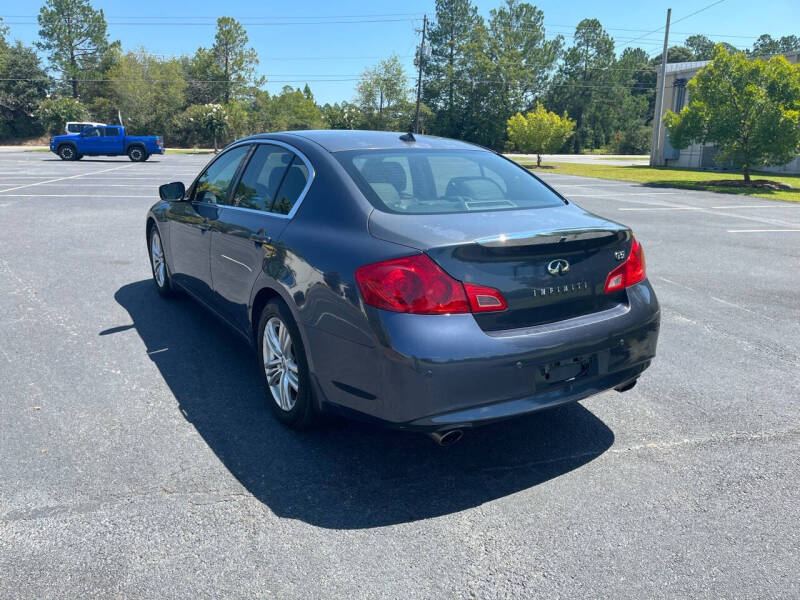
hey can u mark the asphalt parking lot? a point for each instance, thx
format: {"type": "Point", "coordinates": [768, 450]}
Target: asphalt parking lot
{"type": "Point", "coordinates": [137, 458]}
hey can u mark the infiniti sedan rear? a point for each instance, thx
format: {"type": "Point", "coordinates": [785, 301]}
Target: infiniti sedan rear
{"type": "Point", "coordinates": [421, 282]}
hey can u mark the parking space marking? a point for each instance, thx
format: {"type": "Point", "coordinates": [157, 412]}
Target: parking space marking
{"type": "Point", "coordinates": [72, 196]}
{"type": "Point", "coordinates": [776, 205]}
{"type": "Point", "coordinates": [676, 283]}
{"type": "Point", "coordinates": [63, 178]}
{"type": "Point", "coordinates": [665, 208]}
{"type": "Point", "coordinates": [763, 230]}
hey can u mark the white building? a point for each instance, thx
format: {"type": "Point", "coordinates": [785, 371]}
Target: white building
{"type": "Point", "coordinates": [696, 156]}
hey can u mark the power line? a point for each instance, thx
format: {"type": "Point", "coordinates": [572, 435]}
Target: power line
{"type": "Point", "coordinates": [247, 24]}
{"type": "Point", "coordinates": [676, 21]}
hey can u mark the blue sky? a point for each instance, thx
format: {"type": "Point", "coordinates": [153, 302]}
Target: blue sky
{"type": "Point", "coordinates": [308, 50]}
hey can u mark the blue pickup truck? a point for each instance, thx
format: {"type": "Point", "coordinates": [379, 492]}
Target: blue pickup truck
{"type": "Point", "coordinates": [107, 140]}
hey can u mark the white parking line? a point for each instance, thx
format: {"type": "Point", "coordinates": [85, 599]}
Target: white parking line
{"type": "Point", "coordinates": [622, 195]}
{"type": "Point", "coordinates": [763, 230]}
{"type": "Point", "coordinates": [153, 196]}
{"type": "Point", "coordinates": [776, 205]}
{"type": "Point", "coordinates": [667, 208]}
{"type": "Point", "coordinates": [63, 178]}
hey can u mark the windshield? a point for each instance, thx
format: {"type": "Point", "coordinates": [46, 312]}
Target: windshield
{"type": "Point", "coordinates": [415, 181]}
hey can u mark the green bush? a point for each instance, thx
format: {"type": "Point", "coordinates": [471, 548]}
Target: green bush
{"type": "Point", "coordinates": [53, 113]}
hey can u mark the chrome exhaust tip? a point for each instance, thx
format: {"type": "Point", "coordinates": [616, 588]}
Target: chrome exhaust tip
{"type": "Point", "coordinates": [446, 438]}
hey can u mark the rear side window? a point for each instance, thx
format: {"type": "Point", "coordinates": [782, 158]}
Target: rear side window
{"type": "Point", "coordinates": [213, 185]}
{"type": "Point", "coordinates": [444, 181]}
{"type": "Point", "coordinates": [111, 132]}
{"type": "Point", "coordinates": [294, 182]}
{"type": "Point", "coordinates": [262, 178]}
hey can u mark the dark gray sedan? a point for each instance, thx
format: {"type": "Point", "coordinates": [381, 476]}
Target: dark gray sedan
{"type": "Point", "coordinates": [422, 282]}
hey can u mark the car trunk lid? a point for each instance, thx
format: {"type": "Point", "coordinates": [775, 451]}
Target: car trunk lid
{"type": "Point", "coordinates": [550, 263]}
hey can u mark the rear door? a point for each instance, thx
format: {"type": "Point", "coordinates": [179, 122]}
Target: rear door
{"type": "Point", "coordinates": [112, 140]}
{"type": "Point", "coordinates": [245, 240]}
{"type": "Point", "coordinates": [191, 221]}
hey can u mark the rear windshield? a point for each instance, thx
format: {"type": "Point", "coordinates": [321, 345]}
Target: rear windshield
{"type": "Point", "coordinates": [444, 181]}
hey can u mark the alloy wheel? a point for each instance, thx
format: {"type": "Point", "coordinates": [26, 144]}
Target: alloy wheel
{"type": "Point", "coordinates": [157, 258]}
{"type": "Point", "coordinates": [280, 364]}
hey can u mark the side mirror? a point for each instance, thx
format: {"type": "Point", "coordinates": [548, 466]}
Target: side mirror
{"type": "Point", "coordinates": [172, 191]}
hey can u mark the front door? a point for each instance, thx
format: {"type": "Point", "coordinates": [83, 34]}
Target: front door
{"type": "Point", "coordinates": [190, 223]}
{"type": "Point", "coordinates": [92, 141]}
{"type": "Point", "coordinates": [245, 240]}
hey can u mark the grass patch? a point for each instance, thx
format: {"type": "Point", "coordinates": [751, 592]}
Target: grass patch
{"type": "Point", "coordinates": [623, 157]}
{"type": "Point", "coordinates": [189, 151]}
{"type": "Point", "coordinates": [687, 179]}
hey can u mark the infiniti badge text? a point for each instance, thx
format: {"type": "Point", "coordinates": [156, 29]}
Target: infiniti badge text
{"type": "Point", "coordinates": [560, 289]}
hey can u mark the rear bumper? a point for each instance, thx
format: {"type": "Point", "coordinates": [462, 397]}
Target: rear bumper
{"type": "Point", "coordinates": [435, 372]}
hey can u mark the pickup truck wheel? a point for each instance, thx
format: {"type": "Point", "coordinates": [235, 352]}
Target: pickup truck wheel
{"type": "Point", "coordinates": [67, 153]}
{"type": "Point", "coordinates": [137, 154]}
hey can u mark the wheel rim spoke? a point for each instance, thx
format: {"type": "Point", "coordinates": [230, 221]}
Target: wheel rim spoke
{"type": "Point", "coordinates": [280, 366]}
{"type": "Point", "coordinates": [157, 256]}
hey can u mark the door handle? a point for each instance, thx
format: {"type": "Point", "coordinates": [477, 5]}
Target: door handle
{"type": "Point", "coordinates": [260, 239]}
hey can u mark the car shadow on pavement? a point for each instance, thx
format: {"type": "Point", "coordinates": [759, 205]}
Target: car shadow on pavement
{"type": "Point", "coordinates": [343, 474]}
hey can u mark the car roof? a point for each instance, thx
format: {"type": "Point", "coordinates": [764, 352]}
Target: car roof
{"type": "Point", "coordinates": [340, 140]}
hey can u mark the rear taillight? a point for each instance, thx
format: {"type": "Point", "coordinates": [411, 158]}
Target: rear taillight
{"type": "Point", "coordinates": [484, 299]}
{"type": "Point", "coordinates": [416, 284]}
{"type": "Point", "coordinates": [630, 272]}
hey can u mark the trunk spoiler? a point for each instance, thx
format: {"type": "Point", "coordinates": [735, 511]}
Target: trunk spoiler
{"type": "Point", "coordinates": [535, 238]}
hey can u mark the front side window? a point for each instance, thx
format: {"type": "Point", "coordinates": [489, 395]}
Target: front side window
{"type": "Point", "coordinates": [444, 181]}
{"type": "Point", "coordinates": [213, 185]}
{"type": "Point", "coordinates": [93, 132]}
{"type": "Point", "coordinates": [262, 178]}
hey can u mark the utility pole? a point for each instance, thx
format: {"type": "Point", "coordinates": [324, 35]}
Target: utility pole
{"type": "Point", "coordinates": [660, 95]}
{"type": "Point", "coordinates": [421, 59]}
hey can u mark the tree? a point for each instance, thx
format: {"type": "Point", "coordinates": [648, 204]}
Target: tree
{"type": "Point", "coordinates": [342, 116]}
{"type": "Point", "coordinates": [204, 83]}
{"type": "Point", "coordinates": [584, 82]}
{"type": "Point", "coordinates": [539, 132]}
{"type": "Point", "coordinates": [381, 91]}
{"type": "Point", "coordinates": [288, 110]}
{"type": "Point", "coordinates": [149, 92]}
{"type": "Point", "coordinates": [23, 83]}
{"type": "Point", "coordinates": [235, 62]}
{"type": "Point", "coordinates": [675, 54]}
{"type": "Point", "coordinates": [520, 64]}
{"type": "Point", "coordinates": [749, 108]}
{"type": "Point", "coordinates": [457, 38]}
{"type": "Point", "coordinates": [766, 45]}
{"type": "Point", "coordinates": [53, 113]}
{"type": "Point", "coordinates": [74, 35]}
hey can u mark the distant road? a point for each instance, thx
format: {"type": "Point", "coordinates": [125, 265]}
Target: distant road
{"type": "Point", "coordinates": [589, 159]}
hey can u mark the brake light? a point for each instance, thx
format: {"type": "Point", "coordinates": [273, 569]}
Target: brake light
{"type": "Point", "coordinates": [631, 272]}
{"type": "Point", "coordinates": [416, 284]}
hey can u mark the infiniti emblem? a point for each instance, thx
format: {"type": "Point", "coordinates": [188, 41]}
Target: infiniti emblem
{"type": "Point", "coordinates": [558, 266]}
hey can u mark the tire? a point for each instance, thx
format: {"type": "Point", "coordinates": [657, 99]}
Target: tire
{"type": "Point", "coordinates": [292, 407]}
{"type": "Point", "coordinates": [67, 152]}
{"type": "Point", "coordinates": [137, 154]}
{"type": "Point", "coordinates": [158, 264]}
